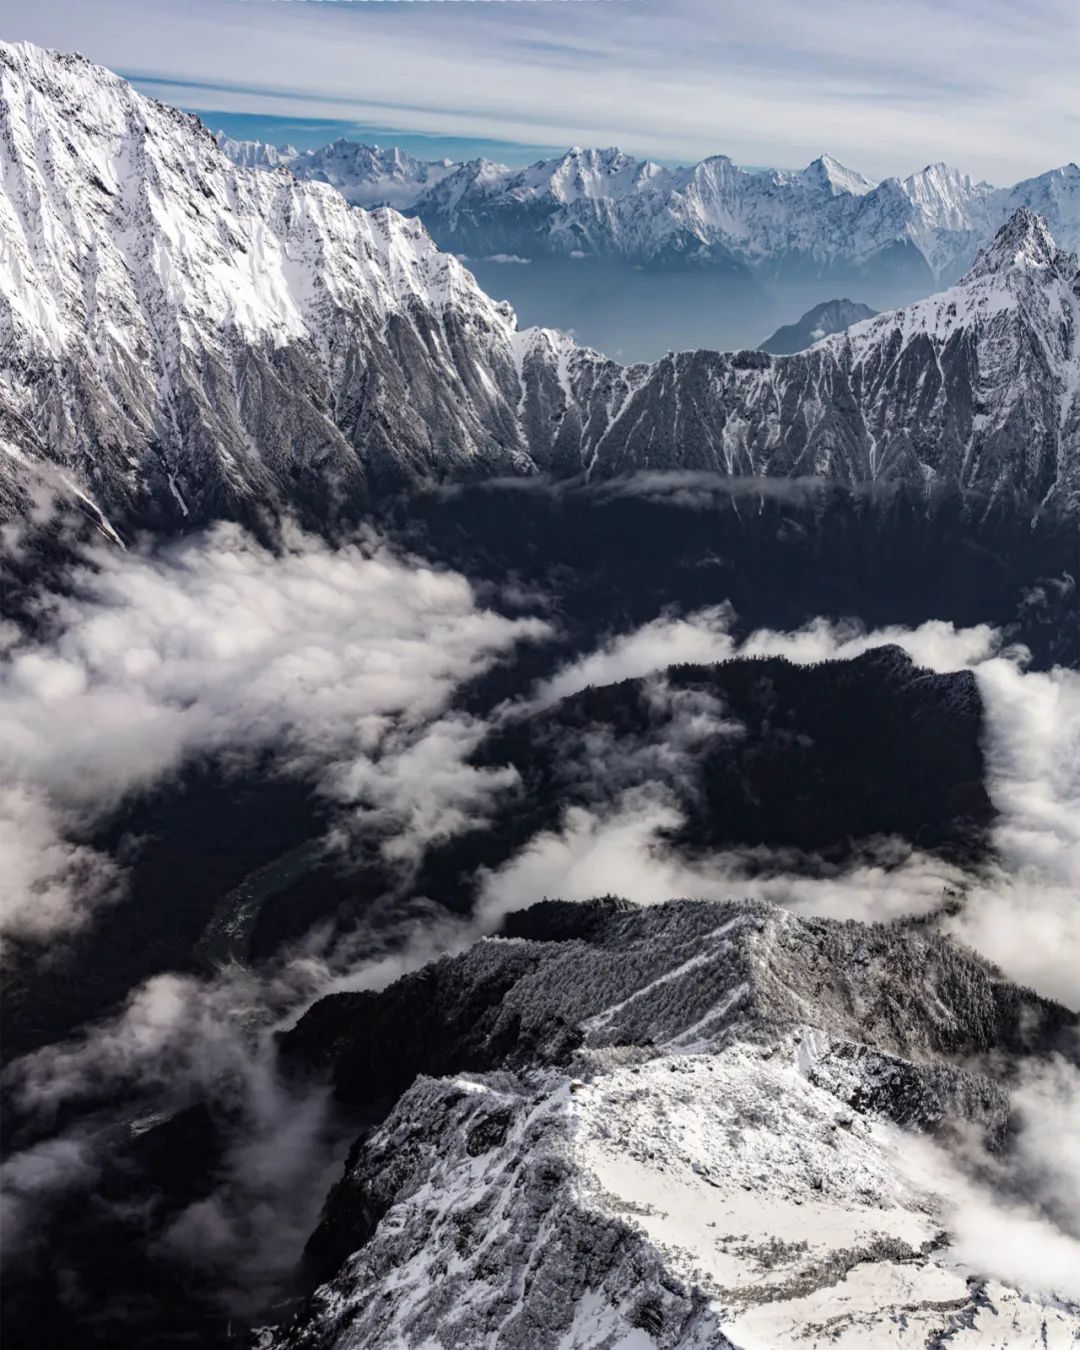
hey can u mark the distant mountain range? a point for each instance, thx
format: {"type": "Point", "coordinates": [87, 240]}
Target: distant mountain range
{"type": "Point", "coordinates": [182, 339]}
{"type": "Point", "coordinates": [366, 175]}
{"type": "Point", "coordinates": [823, 220]}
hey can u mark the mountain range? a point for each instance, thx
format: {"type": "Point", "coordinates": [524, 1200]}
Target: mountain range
{"type": "Point", "coordinates": [183, 339]}
{"type": "Point", "coordinates": [760, 666]}
{"type": "Point", "coordinates": [822, 220]}
{"type": "Point", "coordinates": [365, 175]}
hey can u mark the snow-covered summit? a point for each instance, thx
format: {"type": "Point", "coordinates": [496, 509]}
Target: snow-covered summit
{"type": "Point", "coordinates": [368, 175]}
{"type": "Point", "coordinates": [827, 172]}
{"type": "Point", "coordinates": [690, 1125]}
{"type": "Point", "coordinates": [1024, 241]}
{"type": "Point", "coordinates": [255, 154]}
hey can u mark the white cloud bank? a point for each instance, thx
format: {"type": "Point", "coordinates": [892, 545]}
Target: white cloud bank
{"type": "Point", "coordinates": [342, 660]}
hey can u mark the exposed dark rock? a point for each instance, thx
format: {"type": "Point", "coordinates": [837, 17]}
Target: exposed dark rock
{"type": "Point", "coordinates": [831, 316]}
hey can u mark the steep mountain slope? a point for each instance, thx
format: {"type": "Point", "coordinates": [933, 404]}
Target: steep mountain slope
{"type": "Point", "coordinates": [178, 335]}
{"type": "Point", "coordinates": [181, 339]}
{"type": "Point", "coordinates": [690, 1125]}
{"type": "Point", "coordinates": [831, 316]}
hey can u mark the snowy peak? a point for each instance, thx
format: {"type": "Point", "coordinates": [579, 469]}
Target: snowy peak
{"type": "Point", "coordinates": [944, 194]}
{"type": "Point", "coordinates": [695, 1125]}
{"type": "Point", "coordinates": [365, 175]}
{"type": "Point", "coordinates": [585, 175]}
{"type": "Point", "coordinates": [255, 154]}
{"type": "Point", "coordinates": [832, 176]}
{"type": "Point", "coordinates": [1024, 242]}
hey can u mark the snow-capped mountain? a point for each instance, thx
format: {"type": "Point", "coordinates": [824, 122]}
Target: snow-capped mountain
{"type": "Point", "coordinates": [180, 335]}
{"type": "Point", "coordinates": [182, 339]}
{"type": "Point", "coordinates": [256, 154]}
{"type": "Point", "coordinates": [604, 203]}
{"type": "Point", "coordinates": [365, 175]}
{"type": "Point", "coordinates": [696, 1124]}
{"type": "Point", "coordinates": [369, 176]}
{"type": "Point", "coordinates": [831, 316]}
{"type": "Point", "coordinates": [825, 218]}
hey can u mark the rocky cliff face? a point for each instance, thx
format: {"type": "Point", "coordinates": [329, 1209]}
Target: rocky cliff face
{"type": "Point", "coordinates": [182, 339]}
{"type": "Point", "coordinates": [717, 1149]}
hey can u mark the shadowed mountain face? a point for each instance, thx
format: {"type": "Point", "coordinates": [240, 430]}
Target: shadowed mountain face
{"type": "Point", "coordinates": [831, 316]}
{"type": "Point", "coordinates": [821, 760]}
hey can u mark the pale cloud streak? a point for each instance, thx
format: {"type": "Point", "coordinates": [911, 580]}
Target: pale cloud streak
{"type": "Point", "coordinates": [887, 88]}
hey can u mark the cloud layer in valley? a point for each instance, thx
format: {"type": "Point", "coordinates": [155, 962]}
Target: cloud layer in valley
{"type": "Point", "coordinates": [347, 660]}
{"type": "Point", "coordinates": [1020, 911]}
{"type": "Point", "coordinates": [342, 661]}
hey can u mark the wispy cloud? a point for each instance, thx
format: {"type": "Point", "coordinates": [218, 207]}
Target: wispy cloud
{"type": "Point", "coordinates": [887, 87]}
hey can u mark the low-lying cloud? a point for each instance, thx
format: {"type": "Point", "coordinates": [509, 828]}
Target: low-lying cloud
{"type": "Point", "coordinates": [1020, 911]}
{"type": "Point", "coordinates": [342, 660]}
{"type": "Point", "coordinates": [625, 850]}
{"type": "Point", "coordinates": [1014, 1215]}
{"type": "Point", "coordinates": [345, 661]}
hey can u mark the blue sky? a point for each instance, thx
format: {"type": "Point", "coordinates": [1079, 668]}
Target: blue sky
{"type": "Point", "coordinates": [884, 85]}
